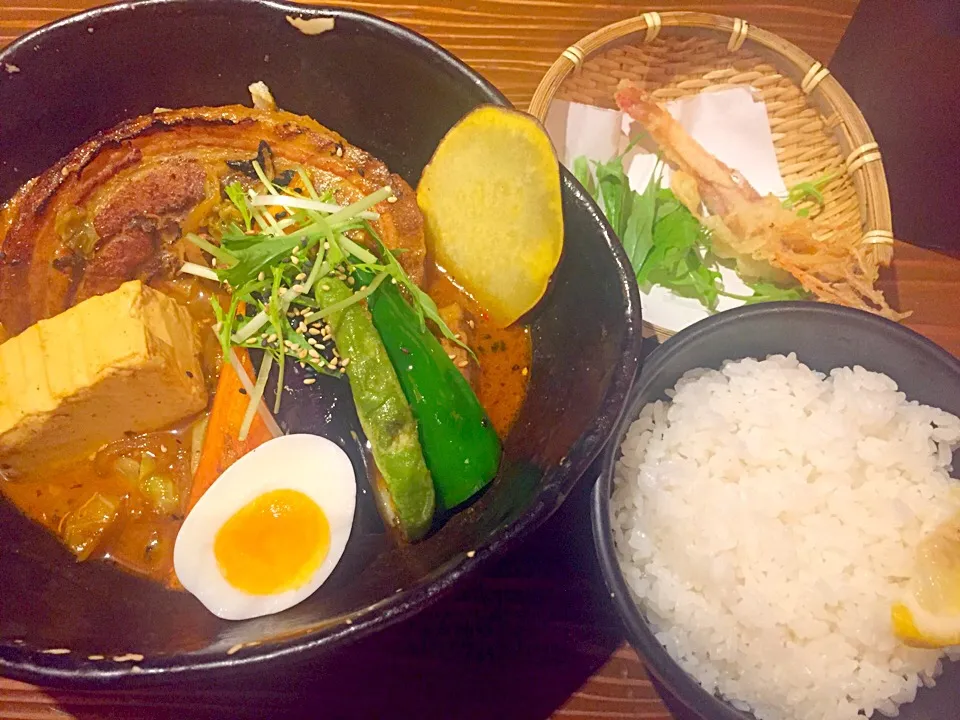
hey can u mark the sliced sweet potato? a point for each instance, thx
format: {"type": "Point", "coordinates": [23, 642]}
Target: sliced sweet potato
{"type": "Point", "coordinates": [490, 197]}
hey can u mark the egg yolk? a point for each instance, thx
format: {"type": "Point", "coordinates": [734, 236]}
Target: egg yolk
{"type": "Point", "coordinates": [273, 544]}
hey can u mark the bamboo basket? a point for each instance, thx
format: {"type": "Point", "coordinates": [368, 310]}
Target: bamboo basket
{"type": "Point", "coordinates": [817, 128]}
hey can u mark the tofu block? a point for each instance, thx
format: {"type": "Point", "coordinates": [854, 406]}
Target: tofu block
{"type": "Point", "coordinates": [124, 362]}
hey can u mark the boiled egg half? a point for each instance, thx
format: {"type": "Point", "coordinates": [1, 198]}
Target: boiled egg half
{"type": "Point", "coordinates": [270, 529]}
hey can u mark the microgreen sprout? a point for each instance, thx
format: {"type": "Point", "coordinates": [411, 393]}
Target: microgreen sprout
{"type": "Point", "coordinates": [291, 239]}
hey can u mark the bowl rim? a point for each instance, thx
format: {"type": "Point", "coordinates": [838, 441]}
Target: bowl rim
{"type": "Point", "coordinates": [61, 671]}
{"type": "Point", "coordinates": [639, 634]}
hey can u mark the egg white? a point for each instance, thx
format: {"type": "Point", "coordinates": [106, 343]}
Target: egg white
{"type": "Point", "coordinates": [311, 464]}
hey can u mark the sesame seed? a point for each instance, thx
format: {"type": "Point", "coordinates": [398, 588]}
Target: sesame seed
{"type": "Point", "coordinates": [299, 289]}
{"type": "Point", "coordinates": [272, 337]}
{"type": "Point", "coordinates": [294, 259]}
{"type": "Point", "coordinates": [471, 553]}
{"type": "Point", "coordinates": [262, 276]}
{"type": "Point", "coordinates": [524, 372]}
{"type": "Point", "coordinates": [311, 341]}
{"type": "Point", "coordinates": [136, 657]}
{"type": "Point", "coordinates": [351, 280]}
{"type": "Point", "coordinates": [326, 245]}
{"type": "Point", "coordinates": [301, 276]}
{"type": "Point", "coordinates": [217, 327]}
{"type": "Point", "coordinates": [314, 354]}
{"type": "Point", "coordinates": [313, 331]}
{"type": "Point", "coordinates": [463, 363]}
{"type": "Point", "coordinates": [471, 323]}
{"type": "Point", "coordinates": [333, 362]}
{"type": "Point", "coordinates": [457, 335]}
{"type": "Point", "coordinates": [57, 651]}
{"type": "Point", "coordinates": [325, 287]}
{"type": "Point", "coordinates": [302, 354]}
{"type": "Point", "coordinates": [235, 648]}
{"type": "Point", "coordinates": [252, 341]}
{"type": "Point", "coordinates": [392, 199]}
{"type": "Point", "coordinates": [163, 448]}
{"type": "Point", "coordinates": [451, 356]}
{"type": "Point", "coordinates": [339, 152]}
{"type": "Point", "coordinates": [94, 657]}
{"type": "Point", "coordinates": [309, 381]}
{"type": "Point", "coordinates": [344, 362]}
{"type": "Point", "coordinates": [302, 327]}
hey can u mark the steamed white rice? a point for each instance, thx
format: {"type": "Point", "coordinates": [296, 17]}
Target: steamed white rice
{"type": "Point", "coordinates": [766, 519]}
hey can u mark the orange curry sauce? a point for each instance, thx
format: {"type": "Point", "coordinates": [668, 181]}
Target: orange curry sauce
{"type": "Point", "coordinates": [141, 539]}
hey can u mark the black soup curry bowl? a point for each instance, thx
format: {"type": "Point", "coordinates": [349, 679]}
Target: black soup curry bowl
{"type": "Point", "coordinates": [394, 94]}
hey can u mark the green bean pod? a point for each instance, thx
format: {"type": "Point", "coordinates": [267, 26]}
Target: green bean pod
{"type": "Point", "coordinates": [458, 440]}
{"type": "Point", "coordinates": [406, 495]}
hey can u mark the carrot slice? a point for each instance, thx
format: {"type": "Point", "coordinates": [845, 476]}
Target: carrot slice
{"type": "Point", "coordinates": [222, 446]}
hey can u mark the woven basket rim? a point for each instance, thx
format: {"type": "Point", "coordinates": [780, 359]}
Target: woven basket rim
{"type": "Point", "coordinates": [863, 161]}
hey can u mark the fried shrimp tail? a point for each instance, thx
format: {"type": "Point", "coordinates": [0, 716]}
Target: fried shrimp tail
{"type": "Point", "coordinates": [767, 240]}
{"type": "Point", "coordinates": [721, 188]}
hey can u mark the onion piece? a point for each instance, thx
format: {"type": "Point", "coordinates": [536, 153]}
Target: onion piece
{"type": "Point", "coordinates": [265, 414]}
{"type": "Point", "coordinates": [198, 433]}
{"type": "Point", "coordinates": [199, 271]}
{"type": "Point", "coordinates": [351, 211]}
{"type": "Point", "coordinates": [289, 201]}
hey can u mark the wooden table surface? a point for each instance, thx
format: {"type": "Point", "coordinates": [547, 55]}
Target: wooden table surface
{"type": "Point", "coordinates": [535, 636]}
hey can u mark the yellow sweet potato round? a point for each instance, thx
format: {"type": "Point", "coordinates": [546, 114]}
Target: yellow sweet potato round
{"type": "Point", "coordinates": [491, 200]}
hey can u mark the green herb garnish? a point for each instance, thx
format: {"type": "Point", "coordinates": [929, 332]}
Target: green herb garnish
{"type": "Point", "coordinates": [809, 190]}
{"type": "Point", "coordinates": [768, 292]}
{"type": "Point", "coordinates": [664, 241]}
{"type": "Point", "coordinates": [272, 265]}
{"type": "Point", "coordinates": [581, 171]}
{"type": "Point", "coordinates": [423, 304]}
{"type": "Point", "coordinates": [239, 199]}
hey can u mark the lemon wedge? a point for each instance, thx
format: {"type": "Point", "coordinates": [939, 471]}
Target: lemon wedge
{"type": "Point", "coordinates": [490, 197]}
{"type": "Point", "coordinates": [929, 614]}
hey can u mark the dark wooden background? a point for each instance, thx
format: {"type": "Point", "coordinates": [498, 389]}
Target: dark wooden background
{"type": "Point", "coordinates": [900, 61]}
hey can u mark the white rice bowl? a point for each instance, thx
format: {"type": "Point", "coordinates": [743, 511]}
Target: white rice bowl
{"type": "Point", "coordinates": [765, 521]}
